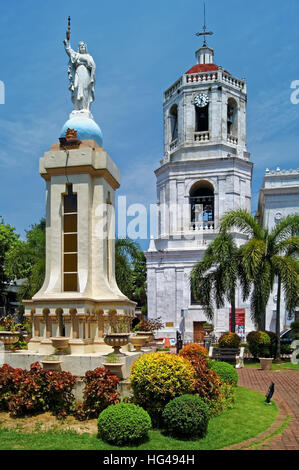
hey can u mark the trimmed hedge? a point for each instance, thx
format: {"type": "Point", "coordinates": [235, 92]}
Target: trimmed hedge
{"type": "Point", "coordinates": [186, 416]}
{"type": "Point", "coordinates": [259, 343]}
{"type": "Point", "coordinates": [156, 378]}
{"type": "Point", "coordinates": [226, 372]}
{"type": "Point", "coordinates": [123, 423]}
{"type": "Point", "coordinates": [229, 340]}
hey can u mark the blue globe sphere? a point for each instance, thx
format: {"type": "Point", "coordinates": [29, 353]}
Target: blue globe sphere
{"type": "Point", "coordinates": [87, 129]}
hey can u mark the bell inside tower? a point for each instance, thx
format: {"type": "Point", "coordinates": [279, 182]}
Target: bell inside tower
{"type": "Point", "coordinates": [202, 205]}
{"type": "Point", "coordinates": [202, 119]}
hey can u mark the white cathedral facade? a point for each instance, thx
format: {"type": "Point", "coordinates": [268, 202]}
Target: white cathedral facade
{"type": "Point", "coordinates": [205, 171]}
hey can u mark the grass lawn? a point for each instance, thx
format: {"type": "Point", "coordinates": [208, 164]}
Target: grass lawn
{"type": "Point", "coordinates": [283, 366]}
{"type": "Point", "coordinates": [249, 417]}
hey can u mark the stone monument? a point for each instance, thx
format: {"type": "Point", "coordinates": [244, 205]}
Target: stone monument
{"type": "Point", "coordinates": [79, 294]}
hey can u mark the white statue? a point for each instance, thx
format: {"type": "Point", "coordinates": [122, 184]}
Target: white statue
{"type": "Point", "coordinates": [81, 73]}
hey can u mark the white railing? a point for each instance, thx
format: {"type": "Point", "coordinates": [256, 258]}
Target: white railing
{"type": "Point", "coordinates": [201, 77]}
{"type": "Point", "coordinates": [201, 136]}
{"type": "Point", "coordinates": [200, 226]}
{"type": "Point", "coordinates": [205, 77]}
{"type": "Point", "coordinates": [226, 78]}
{"type": "Point", "coordinates": [232, 139]}
{"type": "Point", "coordinates": [171, 90]}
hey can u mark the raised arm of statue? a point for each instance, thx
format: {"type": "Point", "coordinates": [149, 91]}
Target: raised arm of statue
{"type": "Point", "coordinates": [70, 52]}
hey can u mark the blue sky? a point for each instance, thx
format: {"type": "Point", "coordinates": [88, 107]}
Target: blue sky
{"type": "Point", "coordinates": [140, 49]}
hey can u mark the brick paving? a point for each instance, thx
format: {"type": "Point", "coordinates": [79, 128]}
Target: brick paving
{"type": "Point", "coordinates": [286, 396]}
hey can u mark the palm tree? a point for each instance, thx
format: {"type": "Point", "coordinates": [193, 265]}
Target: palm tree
{"type": "Point", "coordinates": [215, 278]}
{"type": "Point", "coordinates": [130, 270]}
{"type": "Point", "coordinates": [265, 256]}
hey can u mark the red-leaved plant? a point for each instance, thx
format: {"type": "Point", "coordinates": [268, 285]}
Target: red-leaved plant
{"type": "Point", "coordinates": [100, 391]}
{"type": "Point", "coordinates": [24, 392]}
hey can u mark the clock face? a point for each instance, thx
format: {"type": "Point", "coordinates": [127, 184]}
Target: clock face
{"type": "Point", "coordinates": [201, 100]}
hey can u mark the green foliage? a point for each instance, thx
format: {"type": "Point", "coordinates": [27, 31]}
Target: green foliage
{"type": "Point", "coordinates": [286, 349]}
{"type": "Point", "coordinates": [295, 330]}
{"type": "Point", "coordinates": [130, 270]}
{"type": "Point", "coordinates": [264, 256]}
{"type": "Point", "coordinates": [112, 358]}
{"type": "Point", "coordinates": [259, 343]}
{"type": "Point", "coordinates": [214, 279]}
{"type": "Point", "coordinates": [123, 423]}
{"type": "Point", "coordinates": [226, 372]}
{"type": "Point", "coordinates": [224, 401]}
{"type": "Point", "coordinates": [229, 340]}
{"type": "Point", "coordinates": [8, 239]}
{"type": "Point", "coordinates": [26, 260]}
{"type": "Point", "coordinates": [186, 416]}
{"type": "Point", "coordinates": [156, 378]}
{"type": "Point", "coordinates": [273, 343]}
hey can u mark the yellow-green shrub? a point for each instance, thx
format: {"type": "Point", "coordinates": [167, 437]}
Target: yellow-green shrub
{"type": "Point", "coordinates": [157, 378]}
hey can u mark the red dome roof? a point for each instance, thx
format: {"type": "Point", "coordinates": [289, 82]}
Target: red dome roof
{"type": "Point", "coordinates": [198, 68]}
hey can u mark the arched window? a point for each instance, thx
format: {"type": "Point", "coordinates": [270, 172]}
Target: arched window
{"type": "Point", "coordinates": [173, 117]}
{"type": "Point", "coordinates": [202, 119]}
{"type": "Point", "coordinates": [201, 199]}
{"type": "Point", "coordinates": [232, 121]}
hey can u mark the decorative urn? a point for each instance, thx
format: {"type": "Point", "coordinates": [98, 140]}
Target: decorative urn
{"type": "Point", "coordinates": [8, 338]}
{"type": "Point", "coordinates": [117, 340]}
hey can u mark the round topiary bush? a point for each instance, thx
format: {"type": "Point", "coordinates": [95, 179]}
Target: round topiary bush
{"type": "Point", "coordinates": [186, 416]}
{"type": "Point", "coordinates": [226, 372]}
{"type": "Point", "coordinates": [157, 378]}
{"type": "Point", "coordinates": [123, 423]}
{"type": "Point", "coordinates": [194, 350]}
{"type": "Point", "coordinates": [259, 343]}
{"type": "Point", "coordinates": [229, 340]}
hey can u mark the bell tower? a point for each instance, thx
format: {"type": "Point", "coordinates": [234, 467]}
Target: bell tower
{"type": "Point", "coordinates": [205, 171]}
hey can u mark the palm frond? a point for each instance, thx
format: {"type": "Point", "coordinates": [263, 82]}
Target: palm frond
{"type": "Point", "coordinates": [288, 227]}
{"type": "Point", "coordinates": [242, 220]}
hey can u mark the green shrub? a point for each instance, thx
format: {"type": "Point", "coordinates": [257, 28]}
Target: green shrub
{"type": "Point", "coordinates": [259, 343]}
{"type": "Point", "coordinates": [186, 416]}
{"type": "Point", "coordinates": [273, 343]}
{"type": "Point", "coordinates": [224, 401]}
{"type": "Point", "coordinates": [295, 330]}
{"type": "Point", "coordinates": [226, 372]}
{"type": "Point", "coordinates": [123, 423]}
{"type": "Point", "coordinates": [156, 378]}
{"type": "Point", "coordinates": [286, 349]}
{"type": "Point", "coordinates": [229, 340]}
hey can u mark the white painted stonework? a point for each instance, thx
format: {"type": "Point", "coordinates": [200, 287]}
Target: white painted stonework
{"type": "Point", "coordinates": [94, 178]}
{"type": "Point", "coordinates": [279, 197]}
{"type": "Point", "coordinates": [214, 158]}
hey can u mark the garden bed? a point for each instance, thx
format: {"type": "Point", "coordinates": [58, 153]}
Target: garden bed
{"type": "Point", "coordinates": [45, 432]}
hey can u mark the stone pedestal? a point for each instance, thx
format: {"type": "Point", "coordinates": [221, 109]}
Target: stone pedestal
{"type": "Point", "coordinates": [79, 293]}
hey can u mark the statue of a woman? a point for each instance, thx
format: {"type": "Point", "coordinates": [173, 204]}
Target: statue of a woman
{"type": "Point", "coordinates": [81, 73]}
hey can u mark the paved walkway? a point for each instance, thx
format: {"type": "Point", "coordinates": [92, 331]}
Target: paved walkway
{"type": "Point", "coordinates": [286, 396]}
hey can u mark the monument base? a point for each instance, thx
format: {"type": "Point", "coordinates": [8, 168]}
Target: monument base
{"type": "Point", "coordinates": [76, 364]}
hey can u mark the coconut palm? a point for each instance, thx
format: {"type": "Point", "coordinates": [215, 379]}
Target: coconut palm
{"type": "Point", "coordinates": [266, 255]}
{"type": "Point", "coordinates": [215, 278]}
{"type": "Point", "coordinates": [130, 270]}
